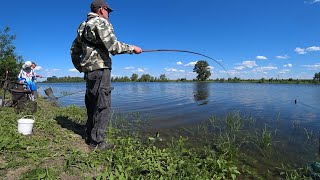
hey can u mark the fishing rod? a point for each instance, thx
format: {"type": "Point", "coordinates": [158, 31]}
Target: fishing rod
{"type": "Point", "coordinates": [185, 51]}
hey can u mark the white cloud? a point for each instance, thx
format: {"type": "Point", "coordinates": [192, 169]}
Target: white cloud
{"type": "Point", "coordinates": [140, 70]}
{"type": "Point", "coordinates": [129, 68]}
{"type": "Point", "coordinates": [210, 67]}
{"type": "Point", "coordinates": [261, 58]}
{"type": "Point", "coordinates": [52, 70]}
{"type": "Point", "coordinates": [284, 71]}
{"type": "Point", "coordinates": [38, 68]}
{"type": "Point", "coordinates": [305, 50]}
{"type": "Point", "coordinates": [313, 48]}
{"type": "Point", "coordinates": [287, 65]}
{"type": "Point", "coordinates": [239, 67]}
{"type": "Point", "coordinates": [114, 75]}
{"type": "Point", "coordinates": [300, 50]}
{"type": "Point", "coordinates": [314, 1]}
{"type": "Point", "coordinates": [249, 64]}
{"type": "Point", "coordinates": [173, 70]}
{"type": "Point", "coordinates": [191, 64]}
{"type": "Point", "coordinates": [230, 72]}
{"type": "Point", "coordinates": [265, 68]}
{"type": "Point", "coordinates": [313, 67]}
{"type": "Point", "coordinates": [283, 57]}
{"type": "Point", "coordinates": [73, 70]}
{"type": "Point", "coordinates": [179, 63]}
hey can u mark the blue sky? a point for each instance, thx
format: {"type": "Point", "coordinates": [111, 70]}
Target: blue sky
{"type": "Point", "coordinates": [251, 38]}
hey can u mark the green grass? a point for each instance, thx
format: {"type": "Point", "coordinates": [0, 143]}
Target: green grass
{"type": "Point", "coordinates": [56, 150]}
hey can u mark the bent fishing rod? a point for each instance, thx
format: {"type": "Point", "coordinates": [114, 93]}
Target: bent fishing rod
{"type": "Point", "coordinates": [185, 51]}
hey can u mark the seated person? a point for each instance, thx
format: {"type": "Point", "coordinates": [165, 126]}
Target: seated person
{"type": "Point", "coordinates": [28, 76]}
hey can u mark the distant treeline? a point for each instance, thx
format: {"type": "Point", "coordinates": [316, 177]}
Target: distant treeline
{"type": "Point", "coordinates": [162, 78]}
{"type": "Point", "coordinates": [134, 78]}
{"type": "Point", "coordinates": [55, 79]}
{"type": "Point", "coordinates": [144, 78]}
{"type": "Point", "coordinates": [271, 81]}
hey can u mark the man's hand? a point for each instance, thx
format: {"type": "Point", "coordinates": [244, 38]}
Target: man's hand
{"type": "Point", "coordinates": [137, 50]}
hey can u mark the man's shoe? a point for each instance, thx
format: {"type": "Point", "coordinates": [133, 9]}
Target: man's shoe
{"type": "Point", "coordinates": [92, 145]}
{"type": "Point", "coordinates": [101, 146]}
{"type": "Point", "coordinates": [105, 146]}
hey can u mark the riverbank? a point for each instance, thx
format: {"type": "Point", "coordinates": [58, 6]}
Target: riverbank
{"type": "Point", "coordinates": [56, 149]}
{"type": "Point", "coordinates": [217, 148]}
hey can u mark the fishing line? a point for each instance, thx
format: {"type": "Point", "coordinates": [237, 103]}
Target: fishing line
{"type": "Point", "coordinates": [49, 93]}
{"type": "Point", "coordinates": [70, 94]}
{"type": "Point", "coordinates": [185, 51]}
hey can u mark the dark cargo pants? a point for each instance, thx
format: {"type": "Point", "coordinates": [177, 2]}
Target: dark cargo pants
{"type": "Point", "coordinates": [98, 103]}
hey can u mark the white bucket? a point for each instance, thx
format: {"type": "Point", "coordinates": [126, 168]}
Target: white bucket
{"type": "Point", "coordinates": [25, 126]}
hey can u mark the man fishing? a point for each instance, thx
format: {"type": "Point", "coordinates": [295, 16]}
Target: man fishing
{"type": "Point", "coordinates": [90, 53]}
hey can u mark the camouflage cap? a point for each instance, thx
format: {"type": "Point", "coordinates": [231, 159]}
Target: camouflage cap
{"type": "Point", "coordinates": [96, 4]}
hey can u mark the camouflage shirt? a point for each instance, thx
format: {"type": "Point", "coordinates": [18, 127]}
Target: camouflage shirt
{"type": "Point", "coordinates": [94, 43]}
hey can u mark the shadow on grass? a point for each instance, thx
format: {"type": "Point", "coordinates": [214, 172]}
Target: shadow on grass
{"type": "Point", "coordinates": [67, 123]}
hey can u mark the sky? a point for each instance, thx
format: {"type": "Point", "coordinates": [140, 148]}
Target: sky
{"type": "Point", "coordinates": [252, 39]}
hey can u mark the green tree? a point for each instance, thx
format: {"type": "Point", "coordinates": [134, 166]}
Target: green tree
{"type": "Point", "coordinates": [126, 79]}
{"type": "Point", "coordinates": [145, 78]}
{"type": "Point", "coordinates": [134, 77]}
{"type": "Point", "coordinates": [317, 76]}
{"type": "Point", "coordinates": [55, 79]}
{"type": "Point", "coordinates": [8, 58]}
{"type": "Point", "coordinates": [221, 80]}
{"type": "Point", "coordinates": [203, 70]}
{"type": "Point", "coordinates": [262, 80]}
{"type": "Point", "coordinates": [163, 77]}
{"type": "Point", "coordinates": [271, 80]}
{"type": "Point", "coordinates": [236, 79]}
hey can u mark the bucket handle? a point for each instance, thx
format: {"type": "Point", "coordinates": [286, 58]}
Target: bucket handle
{"type": "Point", "coordinates": [29, 116]}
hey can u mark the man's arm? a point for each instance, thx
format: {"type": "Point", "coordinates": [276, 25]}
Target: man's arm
{"type": "Point", "coordinates": [76, 52]}
{"type": "Point", "coordinates": [109, 39]}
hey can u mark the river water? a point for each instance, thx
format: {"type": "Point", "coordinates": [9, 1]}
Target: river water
{"type": "Point", "coordinates": [176, 104]}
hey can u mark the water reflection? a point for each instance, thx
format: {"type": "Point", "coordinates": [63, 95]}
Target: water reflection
{"type": "Point", "coordinates": [201, 93]}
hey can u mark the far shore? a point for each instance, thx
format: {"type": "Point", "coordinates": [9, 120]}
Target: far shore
{"type": "Point", "coordinates": [261, 81]}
